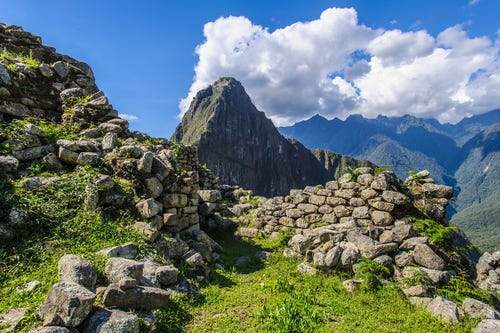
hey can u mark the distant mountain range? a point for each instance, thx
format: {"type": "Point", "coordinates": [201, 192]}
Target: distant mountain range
{"type": "Point", "coordinates": [465, 155]}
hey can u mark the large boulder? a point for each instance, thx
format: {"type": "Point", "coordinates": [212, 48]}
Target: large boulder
{"type": "Point", "coordinates": [121, 270]}
{"type": "Point", "coordinates": [445, 309]}
{"type": "Point", "coordinates": [67, 304]}
{"type": "Point", "coordinates": [138, 298]}
{"type": "Point", "coordinates": [425, 256]}
{"type": "Point", "coordinates": [478, 309]}
{"type": "Point", "coordinates": [488, 326]}
{"type": "Point", "coordinates": [112, 321]}
{"type": "Point", "coordinates": [77, 270]}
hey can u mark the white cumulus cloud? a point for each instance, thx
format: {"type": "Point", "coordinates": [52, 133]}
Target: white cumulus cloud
{"type": "Point", "coordinates": [336, 66]}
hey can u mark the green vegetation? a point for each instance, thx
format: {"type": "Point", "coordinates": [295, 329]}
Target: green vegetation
{"type": "Point", "coordinates": [371, 274]}
{"type": "Point", "coordinates": [381, 170]}
{"type": "Point", "coordinates": [55, 225]}
{"type": "Point", "coordinates": [12, 58]}
{"type": "Point", "coordinates": [438, 234]}
{"type": "Point", "coordinates": [274, 297]}
{"type": "Point", "coordinates": [458, 288]}
{"type": "Point", "coordinates": [414, 176]}
{"type": "Point", "coordinates": [15, 131]}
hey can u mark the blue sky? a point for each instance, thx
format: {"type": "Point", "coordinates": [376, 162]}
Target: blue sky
{"type": "Point", "coordinates": [143, 52]}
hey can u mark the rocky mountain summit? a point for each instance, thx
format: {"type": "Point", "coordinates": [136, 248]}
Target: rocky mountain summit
{"type": "Point", "coordinates": [107, 230]}
{"type": "Point", "coordinates": [241, 146]}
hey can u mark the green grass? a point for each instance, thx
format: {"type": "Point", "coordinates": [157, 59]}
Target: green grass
{"type": "Point", "coordinates": [12, 58]}
{"type": "Point", "coordinates": [274, 297]}
{"type": "Point", "coordinates": [58, 225]}
{"type": "Point", "coordinates": [459, 288]}
{"type": "Point", "coordinates": [380, 170]}
{"type": "Point", "coordinates": [437, 233]}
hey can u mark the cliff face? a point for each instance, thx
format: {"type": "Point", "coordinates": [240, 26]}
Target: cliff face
{"type": "Point", "coordinates": [243, 147]}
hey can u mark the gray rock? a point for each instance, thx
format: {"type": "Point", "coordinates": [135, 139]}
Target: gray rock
{"type": "Point", "coordinates": [305, 268]}
{"type": "Point", "coordinates": [4, 74]}
{"type": "Point", "coordinates": [109, 141]}
{"type": "Point", "coordinates": [436, 276]}
{"type": "Point", "coordinates": [240, 209]}
{"type": "Point", "coordinates": [67, 304]}
{"type": "Point", "coordinates": [4, 93]}
{"type": "Point", "coordinates": [425, 256]}
{"type": "Point", "coordinates": [87, 158]}
{"type": "Point", "coordinates": [176, 200]}
{"type": "Point", "coordinates": [242, 261]}
{"type": "Point", "coordinates": [138, 298]}
{"type": "Point", "coordinates": [68, 94]}
{"type": "Point", "coordinates": [477, 309]}
{"type": "Point", "coordinates": [437, 191]}
{"type": "Point", "coordinates": [148, 207]}
{"type": "Point", "coordinates": [351, 284]}
{"type": "Point", "coordinates": [14, 109]}
{"type": "Point", "coordinates": [8, 164]}
{"type": "Point", "coordinates": [154, 186]}
{"type": "Point", "coordinates": [10, 319]}
{"type": "Point", "coordinates": [61, 69]}
{"type": "Point", "coordinates": [395, 197]}
{"type": "Point", "coordinates": [209, 195]}
{"type": "Point", "coordinates": [51, 161]}
{"type": "Point", "coordinates": [361, 213]}
{"type": "Point", "coordinates": [118, 269]}
{"type": "Point", "coordinates": [33, 153]}
{"type": "Point", "coordinates": [77, 270]}
{"type": "Point", "coordinates": [488, 326]}
{"type": "Point", "coordinates": [149, 233]}
{"type": "Point", "coordinates": [379, 183]}
{"type": "Point", "coordinates": [418, 291]}
{"type": "Point", "coordinates": [145, 163]}
{"type": "Point", "coordinates": [350, 255]}
{"type": "Point", "coordinates": [195, 260]}
{"type": "Point", "coordinates": [45, 70]}
{"type": "Point", "coordinates": [262, 255]}
{"type": "Point", "coordinates": [403, 259]}
{"type": "Point", "coordinates": [410, 243]}
{"type": "Point", "coordinates": [128, 251]}
{"type": "Point", "coordinates": [112, 321]}
{"type": "Point", "coordinates": [300, 243]}
{"type": "Point", "coordinates": [445, 309]}
{"type": "Point", "coordinates": [381, 205]}
{"type": "Point", "coordinates": [332, 257]}
{"type": "Point", "coordinates": [385, 260]}
{"type": "Point", "coordinates": [68, 156]}
{"type": "Point", "coordinates": [381, 218]}
{"type": "Point", "coordinates": [167, 275]}
{"type": "Point", "coordinates": [248, 232]}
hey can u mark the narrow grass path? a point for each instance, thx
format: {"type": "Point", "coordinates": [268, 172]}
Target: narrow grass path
{"type": "Point", "coordinates": [274, 297]}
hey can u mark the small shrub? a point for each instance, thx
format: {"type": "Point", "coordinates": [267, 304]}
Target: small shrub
{"type": "Point", "coordinates": [438, 234]}
{"type": "Point", "coordinates": [459, 288]}
{"type": "Point", "coordinates": [371, 274]}
{"type": "Point", "coordinates": [12, 58]}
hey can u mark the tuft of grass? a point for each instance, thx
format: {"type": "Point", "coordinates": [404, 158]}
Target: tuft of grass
{"type": "Point", "coordinates": [12, 58]}
{"type": "Point", "coordinates": [458, 288]}
{"type": "Point", "coordinates": [437, 233]}
{"type": "Point", "coordinates": [371, 274]}
{"type": "Point", "coordinates": [413, 176]}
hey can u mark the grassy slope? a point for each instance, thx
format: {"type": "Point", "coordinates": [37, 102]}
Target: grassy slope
{"type": "Point", "coordinates": [275, 298]}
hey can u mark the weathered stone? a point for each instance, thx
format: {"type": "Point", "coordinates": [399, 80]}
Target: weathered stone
{"type": "Point", "coordinates": [248, 232]}
{"type": "Point", "coordinates": [138, 298]}
{"type": "Point", "coordinates": [109, 142]}
{"type": "Point", "coordinates": [9, 320]}
{"type": "Point", "coordinates": [381, 218]}
{"type": "Point", "coordinates": [350, 255]}
{"type": "Point", "coordinates": [410, 243]}
{"type": "Point", "coordinates": [209, 195]}
{"type": "Point", "coordinates": [167, 275]}
{"type": "Point", "coordinates": [341, 211]}
{"type": "Point", "coordinates": [68, 156]}
{"type": "Point", "coordinates": [437, 276]}
{"type": "Point", "coordinates": [112, 321]}
{"type": "Point", "coordinates": [376, 250]}
{"type": "Point", "coordinates": [148, 208]}
{"type": "Point", "coordinates": [8, 164]}
{"type": "Point", "coordinates": [345, 194]}
{"type": "Point", "coordinates": [317, 200]}
{"type": "Point", "coordinates": [61, 69]}
{"type": "Point", "coordinates": [445, 309]}
{"type": "Point", "coordinates": [333, 201]}
{"type": "Point", "coordinates": [477, 309]}
{"type": "Point", "coordinates": [300, 243]}
{"type": "Point", "coordinates": [145, 163]}
{"type": "Point", "coordinates": [395, 198]}
{"type": "Point", "coordinates": [437, 191]}
{"type": "Point", "coordinates": [67, 94]}
{"type": "Point", "coordinates": [418, 291]}
{"type": "Point", "coordinates": [52, 162]}
{"type": "Point", "coordinates": [33, 153]}
{"type": "Point", "coordinates": [368, 193]}
{"type": "Point", "coordinates": [77, 270]}
{"type": "Point", "coordinates": [403, 259]}
{"type": "Point", "coordinates": [128, 251]}
{"type": "Point", "coordinates": [332, 185]}
{"type": "Point", "coordinates": [175, 200]}
{"type": "Point", "coordinates": [52, 329]}
{"type": "Point", "coordinates": [487, 326]}
{"type": "Point", "coordinates": [154, 187]}
{"type": "Point", "coordinates": [385, 260]}
{"type": "Point", "coordinates": [351, 284]}
{"type": "Point", "coordinates": [4, 74]}
{"type": "Point", "coordinates": [120, 268]}
{"type": "Point", "coordinates": [195, 260]}
{"type": "Point", "coordinates": [379, 183]}
{"type": "Point", "coordinates": [425, 256]}
{"type": "Point", "coordinates": [67, 304]}
{"type": "Point", "coordinates": [87, 158]}
{"type": "Point", "coordinates": [361, 212]}
{"type": "Point", "coordinates": [307, 208]}
{"type": "Point", "coordinates": [381, 205]}
{"type": "Point", "coordinates": [332, 257]}
{"type": "Point", "coordinates": [305, 268]}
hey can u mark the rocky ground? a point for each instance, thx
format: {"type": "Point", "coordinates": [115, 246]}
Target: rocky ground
{"type": "Point", "coordinates": [107, 230]}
